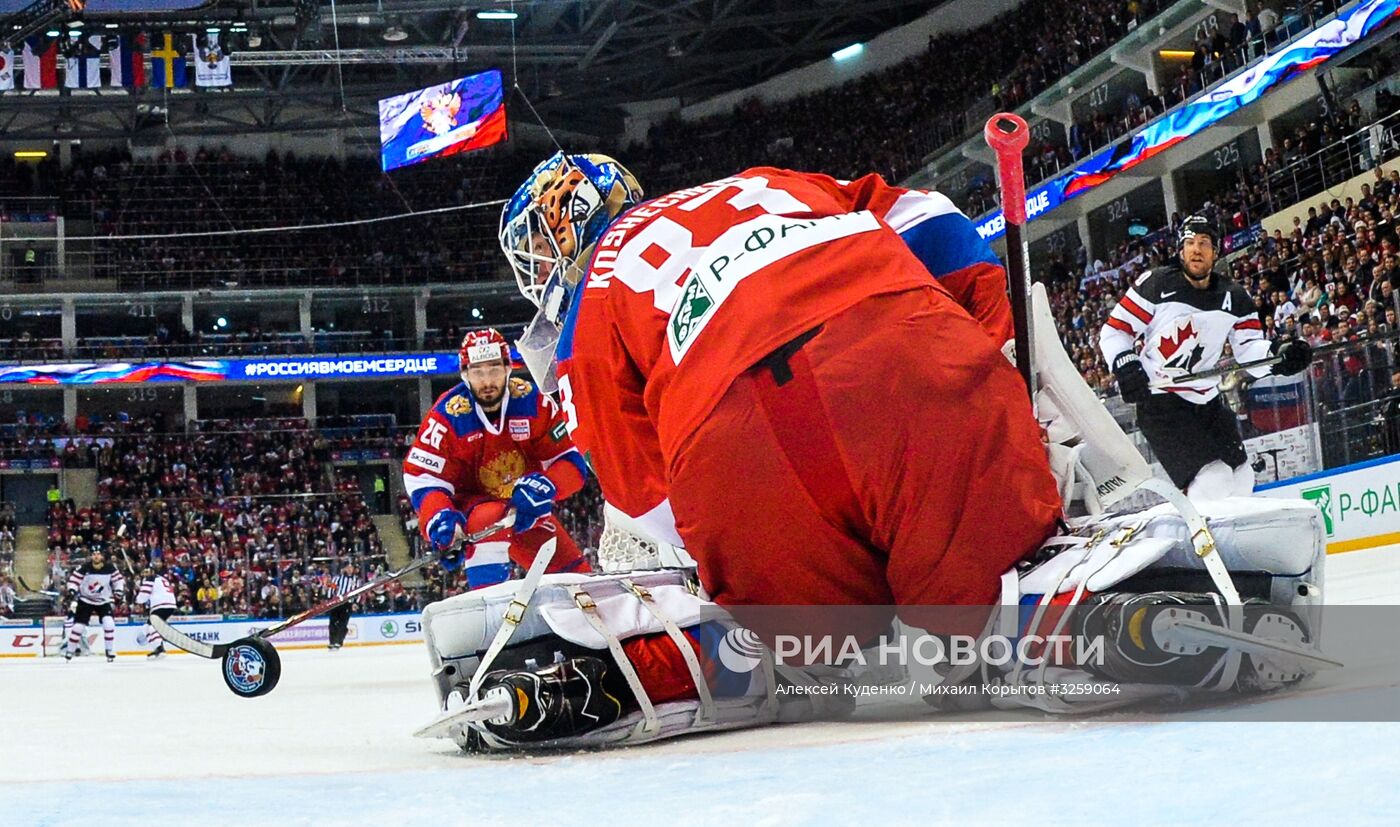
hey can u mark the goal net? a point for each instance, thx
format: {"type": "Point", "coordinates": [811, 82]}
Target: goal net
{"type": "Point", "coordinates": [52, 643]}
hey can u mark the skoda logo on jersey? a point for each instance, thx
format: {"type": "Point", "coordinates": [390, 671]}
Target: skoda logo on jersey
{"type": "Point", "coordinates": [389, 629]}
{"type": "Point", "coordinates": [245, 669]}
{"type": "Point", "coordinates": [740, 650]}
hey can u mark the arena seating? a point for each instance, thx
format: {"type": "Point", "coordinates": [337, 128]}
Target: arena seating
{"type": "Point", "coordinates": [242, 511]}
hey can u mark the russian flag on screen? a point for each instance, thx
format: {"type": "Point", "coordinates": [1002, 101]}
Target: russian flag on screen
{"type": "Point", "coordinates": [457, 116]}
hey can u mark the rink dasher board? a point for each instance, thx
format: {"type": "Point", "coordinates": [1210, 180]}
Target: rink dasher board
{"type": "Point", "coordinates": [23, 639]}
{"type": "Point", "coordinates": [1360, 503]}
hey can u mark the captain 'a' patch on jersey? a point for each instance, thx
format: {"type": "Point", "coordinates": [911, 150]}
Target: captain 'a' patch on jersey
{"type": "Point", "coordinates": [1183, 329]}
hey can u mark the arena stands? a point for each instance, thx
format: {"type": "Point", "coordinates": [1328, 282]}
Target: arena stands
{"type": "Point", "coordinates": [923, 101]}
{"type": "Point", "coordinates": [212, 190]}
{"type": "Point", "coordinates": [243, 512]}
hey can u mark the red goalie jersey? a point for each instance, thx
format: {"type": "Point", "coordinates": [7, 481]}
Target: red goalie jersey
{"type": "Point", "coordinates": [687, 292]}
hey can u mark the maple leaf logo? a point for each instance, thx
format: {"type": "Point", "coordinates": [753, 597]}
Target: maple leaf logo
{"type": "Point", "coordinates": [1170, 345]}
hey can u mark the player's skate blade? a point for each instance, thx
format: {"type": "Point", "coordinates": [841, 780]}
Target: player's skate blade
{"type": "Point", "coordinates": [532, 705]}
{"type": "Point", "coordinates": [460, 712]}
{"type": "Point", "coordinates": [1195, 633]}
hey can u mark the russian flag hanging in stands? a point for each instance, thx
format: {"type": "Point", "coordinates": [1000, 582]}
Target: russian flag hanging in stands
{"type": "Point", "coordinates": [40, 63]}
{"type": "Point", "coordinates": [127, 60]}
{"type": "Point", "coordinates": [168, 67]}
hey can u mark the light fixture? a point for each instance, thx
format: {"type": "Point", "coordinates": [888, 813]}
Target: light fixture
{"type": "Point", "coordinates": [53, 33]}
{"type": "Point", "coordinates": [496, 14]}
{"type": "Point", "coordinates": [75, 24]}
{"type": "Point", "coordinates": [111, 25]}
{"type": "Point", "coordinates": [31, 154]}
{"type": "Point", "coordinates": [848, 52]}
{"type": "Point", "coordinates": [213, 30]}
{"type": "Point", "coordinates": [221, 323]}
{"type": "Point", "coordinates": [1176, 54]}
{"type": "Point", "coordinates": [394, 32]}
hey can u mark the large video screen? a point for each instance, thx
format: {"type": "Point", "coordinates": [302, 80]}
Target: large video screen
{"type": "Point", "coordinates": [457, 116]}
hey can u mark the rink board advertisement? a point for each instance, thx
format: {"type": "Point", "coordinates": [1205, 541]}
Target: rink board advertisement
{"type": "Point", "coordinates": [297, 368]}
{"type": "Point", "coordinates": [21, 639]}
{"type": "Point", "coordinates": [1308, 52]}
{"type": "Point", "coordinates": [1360, 503]}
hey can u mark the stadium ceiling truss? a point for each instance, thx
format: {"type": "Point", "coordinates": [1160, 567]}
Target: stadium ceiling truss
{"type": "Point", "coordinates": [578, 61]}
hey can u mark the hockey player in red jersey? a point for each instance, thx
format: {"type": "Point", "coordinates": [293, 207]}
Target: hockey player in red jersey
{"type": "Point", "coordinates": [491, 443]}
{"type": "Point", "coordinates": [796, 378]}
{"type": "Point", "coordinates": [801, 380]}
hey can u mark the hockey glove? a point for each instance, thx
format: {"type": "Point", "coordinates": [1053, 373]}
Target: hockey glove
{"type": "Point", "coordinates": [1295, 355]}
{"type": "Point", "coordinates": [443, 528]}
{"type": "Point", "coordinates": [533, 500]}
{"type": "Point", "coordinates": [1132, 378]}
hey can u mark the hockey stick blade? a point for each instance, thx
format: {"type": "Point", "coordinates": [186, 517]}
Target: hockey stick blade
{"type": "Point", "coordinates": [180, 640]}
{"type": "Point", "coordinates": [1194, 631]}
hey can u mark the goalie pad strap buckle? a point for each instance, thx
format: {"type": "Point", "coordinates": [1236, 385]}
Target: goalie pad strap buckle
{"type": "Point", "coordinates": [582, 599]}
{"type": "Point", "coordinates": [706, 712]}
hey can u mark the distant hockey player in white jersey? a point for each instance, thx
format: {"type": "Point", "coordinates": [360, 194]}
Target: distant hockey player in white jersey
{"type": "Point", "coordinates": [96, 585]}
{"type": "Point", "coordinates": [158, 596]}
{"type": "Point", "coordinates": [1183, 314]}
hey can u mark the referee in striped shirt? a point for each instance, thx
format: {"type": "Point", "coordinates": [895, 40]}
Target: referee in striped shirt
{"type": "Point", "coordinates": [341, 585]}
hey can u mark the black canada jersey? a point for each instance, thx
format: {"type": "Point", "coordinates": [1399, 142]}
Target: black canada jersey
{"type": "Point", "coordinates": [96, 585]}
{"type": "Point", "coordinates": [1184, 329]}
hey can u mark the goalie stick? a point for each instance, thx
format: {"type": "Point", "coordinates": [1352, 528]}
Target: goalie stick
{"type": "Point", "coordinates": [251, 664]}
{"type": "Point", "coordinates": [1008, 135]}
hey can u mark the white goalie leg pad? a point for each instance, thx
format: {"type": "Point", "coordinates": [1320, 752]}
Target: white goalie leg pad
{"type": "Point", "coordinates": [598, 612]}
{"type": "Point", "coordinates": [1275, 548]}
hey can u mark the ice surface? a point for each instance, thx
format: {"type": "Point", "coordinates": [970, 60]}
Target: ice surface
{"type": "Point", "coordinates": [127, 743]}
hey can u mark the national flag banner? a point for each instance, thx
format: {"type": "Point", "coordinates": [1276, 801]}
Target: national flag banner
{"type": "Point", "coordinates": [7, 70]}
{"type": "Point", "coordinates": [168, 68]}
{"type": "Point", "coordinates": [127, 61]}
{"type": "Point", "coordinates": [83, 62]}
{"type": "Point", "coordinates": [40, 63]}
{"type": "Point", "coordinates": [211, 61]}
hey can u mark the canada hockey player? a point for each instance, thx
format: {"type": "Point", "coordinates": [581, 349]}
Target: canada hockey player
{"type": "Point", "coordinates": [1184, 314]}
{"type": "Point", "coordinates": [157, 594]}
{"type": "Point", "coordinates": [491, 443]}
{"type": "Point", "coordinates": [96, 584]}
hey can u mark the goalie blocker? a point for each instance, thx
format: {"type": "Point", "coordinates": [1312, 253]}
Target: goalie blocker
{"type": "Point", "coordinates": [575, 672]}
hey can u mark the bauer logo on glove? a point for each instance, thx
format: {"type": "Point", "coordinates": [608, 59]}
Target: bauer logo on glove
{"type": "Point", "coordinates": [533, 499]}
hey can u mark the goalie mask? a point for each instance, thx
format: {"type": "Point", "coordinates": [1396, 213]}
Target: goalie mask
{"type": "Point", "coordinates": [548, 231]}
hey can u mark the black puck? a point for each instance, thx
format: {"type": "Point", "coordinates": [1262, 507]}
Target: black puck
{"type": "Point", "coordinates": [251, 667]}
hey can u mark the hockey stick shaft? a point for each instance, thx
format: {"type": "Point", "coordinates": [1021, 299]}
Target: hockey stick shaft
{"type": "Point", "coordinates": [1008, 135]}
{"type": "Point", "coordinates": [327, 605]}
{"type": "Point", "coordinates": [205, 650]}
{"type": "Point", "coordinates": [1320, 350]}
